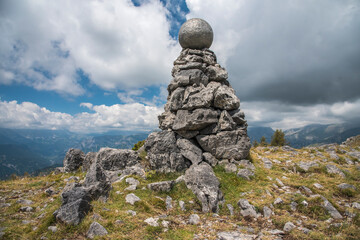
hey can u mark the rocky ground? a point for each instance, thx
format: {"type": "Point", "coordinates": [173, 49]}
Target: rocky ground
{"type": "Point", "coordinates": [279, 193]}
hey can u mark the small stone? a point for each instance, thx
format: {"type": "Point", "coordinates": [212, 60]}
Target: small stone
{"type": "Point", "coordinates": [267, 212]}
{"type": "Point", "coordinates": [26, 209]}
{"type": "Point", "coordinates": [165, 223]}
{"type": "Point", "coordinates": [247, 210]}
{"type": "Point", "coordinates": [168, 203]}
{"type": "Point", "coordinates": [182, 205]}
{"type": "Point", "coordinates": [24, 202]}
{"type": "Point", "coordinates": [355, 205]}
{"type": "Point", "coordinates": [332, 169]}
{"type": "Point", "coordinates": [96, 230]}
{"type": "Point", "coordinates": [280, 182]}
{"type": "Point", "coordinates": [231, 209]}
{"type": "Point", "coordinates": [304, 230]}
{"type": "Point", "coordinates": [118, 222]}
{"type": "Point", "coordinates": [230, 168]}
{"type": "Point", "coordinates": [288, 227]}
{"type": "Point", "coordinates": [152, 222]}
{"type": "Point", "coordinates": [131, 188]}
{"type": "Point", "coordinates": [131, 212]}
{"type": "Point", "coordinates": [305, 203]}
{"type": "Point", "coordinates": [132, 198]}
{"type": "Point", "coordinates": [245, 173]}
{"type": "Point", "coordinates": [293, 206]}
{"type": "Point", "coordinates": [267, 163]}
{"type": "Point", "coordinates": [50, 191]}
{"type": "Point", "coordinates": [132, 181]}
{"type": "Point", "coordinates": [306, 190]}
{"type": "Point", "coordinates": [164, 186]}
{"type": "Point", "coordinates": [346, 186]}
{"type": "Point", "coordinates": [235, 236]}
{"type": "Point", "coordinates": [53, 229]}
{"type": "Point", "coordinates": [331, 209]}
{"type": "Point", "coordinates": [194, 219]}
{"type": "Point", "coordinates": [318, 186]}
{"type": "Point", "coordinates": [278, 201]}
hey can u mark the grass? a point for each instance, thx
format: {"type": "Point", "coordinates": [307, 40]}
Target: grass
{"type": "Point", "coordinates": [152, 204]}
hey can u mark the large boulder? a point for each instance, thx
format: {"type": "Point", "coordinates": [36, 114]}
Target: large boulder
{"type": "Point", "coordinates": [117, 159]}
{"type": "Point", "coordinates": [73, 160]}
{"type": "Point", "coordinates": [226, 144]}
{"type": "Point", "coordinates": [204, 184]}
{"type": "Point", "coordinates": [75, 205]}
{"type": "Point", "coordinates": [195, 120]}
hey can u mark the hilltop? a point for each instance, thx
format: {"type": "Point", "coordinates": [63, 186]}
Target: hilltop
{"type": "Point", "coordinates": [308, 193]}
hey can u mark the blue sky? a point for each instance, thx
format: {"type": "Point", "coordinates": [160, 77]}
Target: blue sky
{"type": "Point", "coordinates": [96, 66]}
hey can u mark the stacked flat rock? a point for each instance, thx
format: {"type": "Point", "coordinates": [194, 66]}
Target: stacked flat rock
{"type": "Point", "coordinates": [202, 111]}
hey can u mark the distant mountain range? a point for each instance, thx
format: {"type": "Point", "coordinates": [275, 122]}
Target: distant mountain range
{"type": "Point", "coordinates": [309, 135]}
{"type": "Point", "coordinates": [25, 150]}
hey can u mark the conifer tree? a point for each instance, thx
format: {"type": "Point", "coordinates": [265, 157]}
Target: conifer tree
{"type": "Point", "coordinates": [278, 139]}
{"type": "Point", "coordinates": [263, 141]}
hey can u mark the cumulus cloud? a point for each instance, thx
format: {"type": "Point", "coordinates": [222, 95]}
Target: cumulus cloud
{"type": "Point", "coordinates": [118, 45]}
{"type": "Point", "coordinates": [284, 116]}
{"type": "Point", "coordinates": [132, 116]}
{"type": "Point", "coordinates": [298, 52]}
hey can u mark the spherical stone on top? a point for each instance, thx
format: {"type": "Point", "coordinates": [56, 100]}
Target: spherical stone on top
{"type": "Point", "coordinates": [196, 33]}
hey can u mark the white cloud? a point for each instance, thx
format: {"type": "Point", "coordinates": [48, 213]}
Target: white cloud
{"type": "Point", "coordinates": [118, 45]}
{"type": "Point", "coordinates": [133, 116]}
{"type": "Point", "coordinates": [284, 116]}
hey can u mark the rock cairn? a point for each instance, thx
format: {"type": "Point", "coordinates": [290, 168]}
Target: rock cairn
{"type": "Point", "coordinates": [202, 112]}
{"type": "Point", "coordinates": [202, 122]}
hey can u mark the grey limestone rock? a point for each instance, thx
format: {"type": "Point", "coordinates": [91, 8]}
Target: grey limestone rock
{"type": "Point", "coordinates": [267, 212]}
{"type": "Point", "coordinates": [267, 163]}
{"type": "Point", "coordinates": [182, 205]}
{"type": "Point", "coordinates": [331, 209]}
{"type": "Point", "coordinates": [73, 160]}
{"type": "Point", "coordinates": [204, 184]}
{"type": "Point", "coordinates": [225, 98]}
{"type": "Point", "coordinates": [152, 221]}
{"type": "Point", "coordinates": [168, 202]}
{"type": "Point", "coordinates": [247, 210]}
{"type": "Point", "coordinates": [164, 186]}
{"type": "Point", "coordinates": [346, 186]}
{"type": "Point", "coordinates": [226, 145]}
{"type": "Point", "coordinates": [289, 226]}
{"type": "Point", "coordinates": [117, 159]}
{"type": "Point", "coordinates": [132, 198]}
{"type": "Point", "coordinates": [166, 120]}
{"type": "Point", "coordinates": [195, 33]}
{"type": "Point", "coordinates": [226, 123]}
{"type": "Point", "coordinates": [163, 153]}
{"type": "Point", "coordinates": [52, 229]}
{"type": "Point", "coordinates": [235, 236]}
{"type": "Point", "coordinates": [305, 166]}
{"type": "Point", "coordinates": [96, 230]}
{"type": "Point", "coordinates": [88, 160]}
{"type": "Point", "coordinates": [216, 73]}
{"type": "Point", "coordinates": [231, 209]}
{"type": "Point", "coordinates": [75, 205]}
{"type": "Point", "coordinates": [194, 219]}
{"type": "Point", "coordinates": [245, 173]}
{"type": "Point", "coordinates": [189, 150]}
{"type": "Point", "coordinates": [195, 120]}
{"type": "Point", "coordinates": [210, 159]}
{"type": "Point", "coordinates": [334, 170]}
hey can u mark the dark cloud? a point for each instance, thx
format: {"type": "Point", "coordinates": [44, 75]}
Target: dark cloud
{"type": "Point", "coordinates": [297, 52]}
